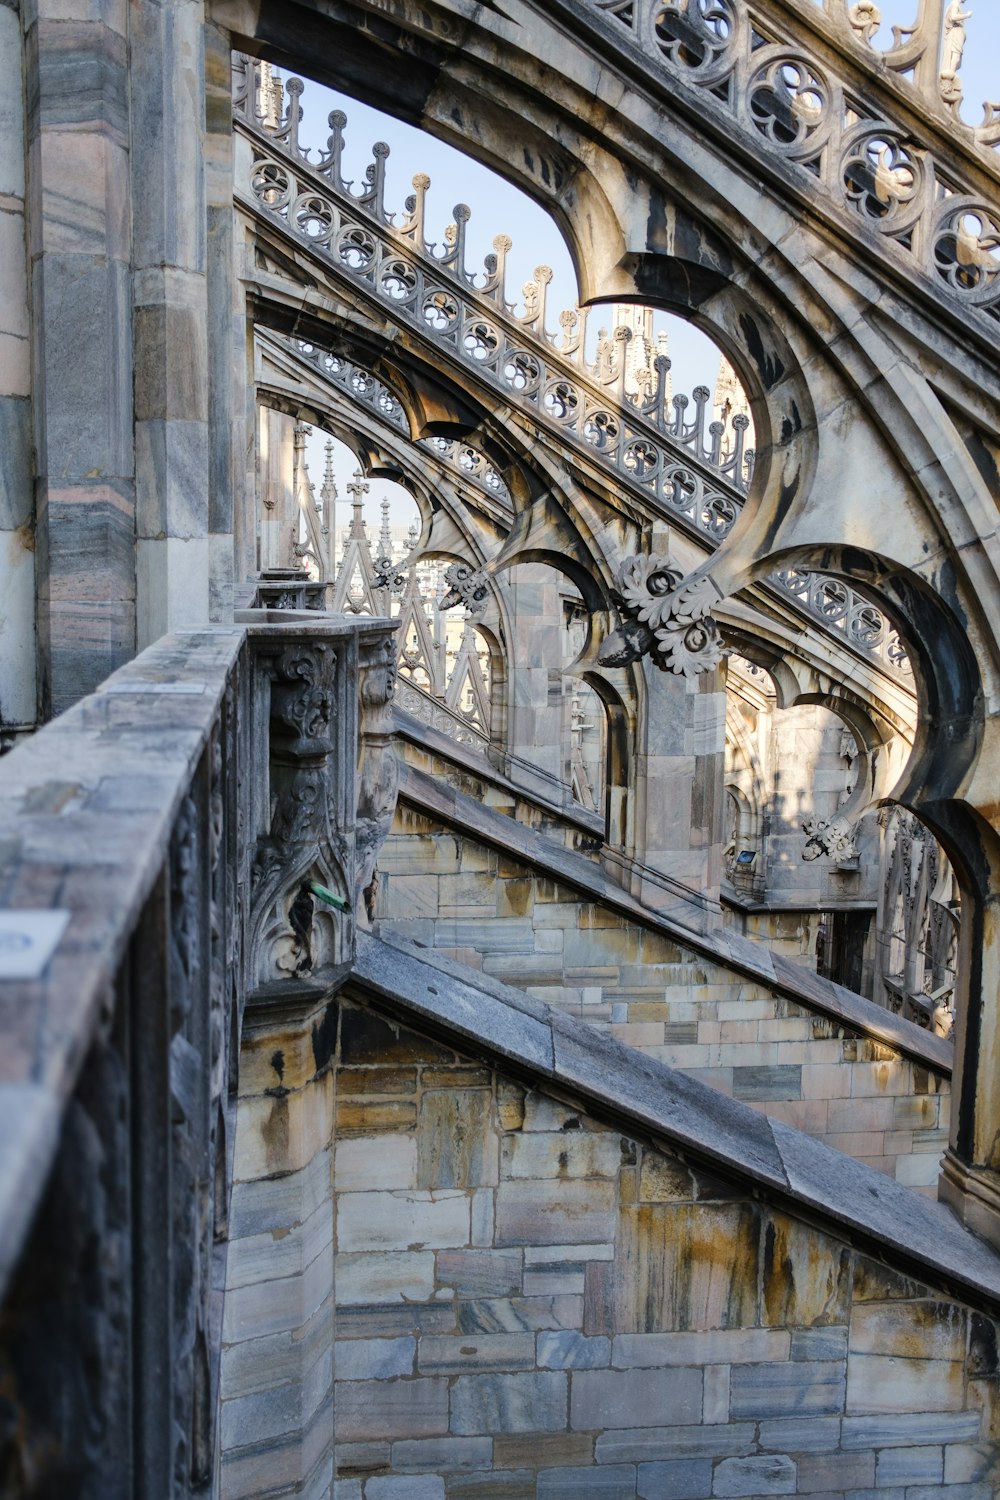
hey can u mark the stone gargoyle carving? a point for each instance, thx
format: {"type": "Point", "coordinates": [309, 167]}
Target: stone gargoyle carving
{"type": "Point", "coordinates": [668, 618]}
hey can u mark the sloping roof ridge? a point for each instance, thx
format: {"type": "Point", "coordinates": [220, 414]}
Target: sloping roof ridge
{"type": "Point", "coordinates": [913, 1234]}
{"type": "Point", "coordinates": [742, 954]}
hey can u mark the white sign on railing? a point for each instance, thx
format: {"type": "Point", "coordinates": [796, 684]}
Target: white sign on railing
{"type": "Point", "coordinates": [28, 940]}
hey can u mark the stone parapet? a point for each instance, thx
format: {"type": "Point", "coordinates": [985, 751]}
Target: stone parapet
{"type": "Point", "coordinates": [199, 829]}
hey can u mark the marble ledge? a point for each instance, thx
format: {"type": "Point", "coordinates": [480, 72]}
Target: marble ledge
{"type": "Point", "coordinates": [751, 960]}
{"type": "Point", "coordinates": [534, 1041]}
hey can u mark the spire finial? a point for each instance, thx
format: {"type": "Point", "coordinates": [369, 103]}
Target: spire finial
{"type": "Point", "coordinates": [384, 536]}
{"type": "Point", "coordinates": [357, 489]}
{"type": "Point", "coordinates": [328, 489]}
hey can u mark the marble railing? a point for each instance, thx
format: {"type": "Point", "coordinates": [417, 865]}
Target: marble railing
{"type": "Point", "coordinates": [876, 135]}
{"type": "Point", "coordinates": [692, 472]}
{"type": "Point", "coordinates": [367, 391]}
{"type": "Point", "coordinates": [832, 603]}
{"type": "Point", "coordinates": [845, 612]}
{"type": "Point", "coordinates": [433, 711]}
{"type": "Point", "coordinates": [197, 831]}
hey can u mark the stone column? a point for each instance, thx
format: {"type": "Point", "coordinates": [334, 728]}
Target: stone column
{"type": "Point", "coordinates": [17, 555]}
{"type": "Point", "coordinates": [81, 343]}
{"type": "Point", "coordinates": [277, 1358]}
{"type": "Point", "coordinates": [538, 738]}
{"type": "Point", "coordinates": [277, 510]}
{"type": "Point", "coordinates": [167, 102]}
{"type": "Point", "coordinates": [227, 332]}
{"type": "Point", "coordinates": [680, 794]}
{"type": "Point", "coordinates": [970, 1175]}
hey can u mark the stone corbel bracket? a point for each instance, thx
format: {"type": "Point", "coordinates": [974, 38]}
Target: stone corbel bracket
{"type": "Point", "coordinates": [324, 786]}
{"type": "Point", "coordinates": [667, 617]}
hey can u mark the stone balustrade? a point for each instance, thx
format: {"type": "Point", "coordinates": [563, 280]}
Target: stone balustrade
{"type": "Point", "coordinates": [774, 81]}
{"type": "Point", "coordinates": [199, 830]}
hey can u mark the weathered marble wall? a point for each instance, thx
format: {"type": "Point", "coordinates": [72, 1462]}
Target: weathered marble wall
{"type": "Point", "coordinates": [499, 915]}
{"type": "Point", "coordinates": [277, 1359]}
{"type": "Point", "coordinates": [531, 1303]}
{"type": "Point", "coordinates": [17, 538]}
{"type": "Point", "coordinates": [137, 342]}
{"type": "Point", "coordinates": [815, 766]}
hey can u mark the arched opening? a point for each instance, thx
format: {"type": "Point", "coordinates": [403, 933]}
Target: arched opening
{"type": "Point", "coordinates": [918, 924]}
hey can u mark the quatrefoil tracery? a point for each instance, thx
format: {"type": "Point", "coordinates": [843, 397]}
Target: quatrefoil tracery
{"type": "Point", "coordinates": [883, 179]}
{"type": "Point", "coordinates": [694, 34]}
{"type": "Point", "coordinates": [788, 103]}
{"type": "Point", "coordinates": [967, 252]}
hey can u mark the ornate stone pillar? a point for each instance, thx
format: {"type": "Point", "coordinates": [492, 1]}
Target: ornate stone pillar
{"type": "Point", "coordinates": [171, 315]}
{"type": "Point", "coordinates": [80, 238]}
{"type": "Point", "coordinates": [17, 553]}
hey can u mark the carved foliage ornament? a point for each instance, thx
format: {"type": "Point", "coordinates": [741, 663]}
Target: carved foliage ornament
{"type": "Point", "coordinates": [389, 575]}
{"type": "Point", "coordinates": [865, 18]}
{"type": "Point", "coordinates": [466, 585]}
{"type": "Point", "coordinates": [670, 618]}
{"type": "Point", "coordinates": [833, 837]}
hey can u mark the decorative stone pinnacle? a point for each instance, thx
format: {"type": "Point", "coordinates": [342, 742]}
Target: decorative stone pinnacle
{"type": "Point", "coordinates": [328, 489]}
{"type": "Point", "coordinates": [385, 536]}
{"type": "Point", "coordinates": [358, 489]}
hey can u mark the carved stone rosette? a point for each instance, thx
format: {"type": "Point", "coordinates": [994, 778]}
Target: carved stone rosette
{"type": "Point", "coordinates": [466, 585]}
{"type": "Point", "coordinates": [668, 618]}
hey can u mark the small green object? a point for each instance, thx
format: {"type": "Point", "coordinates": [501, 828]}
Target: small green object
{"type": "Point", "coordinates": [330, 897]}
